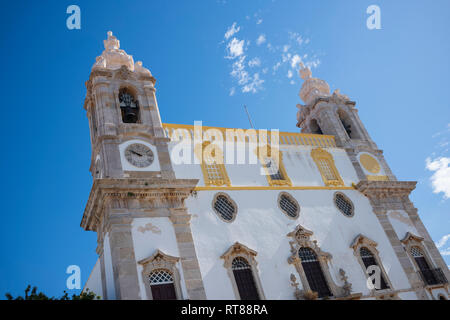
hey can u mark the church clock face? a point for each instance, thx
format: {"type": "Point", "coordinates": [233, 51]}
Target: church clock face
{"type": "Point", "coordinates": [139, 155]}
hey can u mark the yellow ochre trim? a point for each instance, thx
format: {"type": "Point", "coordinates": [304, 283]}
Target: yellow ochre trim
{"type": "Point", "coordinates": [272, 188]}
{"type": "Point", "coordinates": [282, 170]}
{"type": "Point", "coordinates": [286, 138]}
{"type": "Point", "coordinates": [319, 155]}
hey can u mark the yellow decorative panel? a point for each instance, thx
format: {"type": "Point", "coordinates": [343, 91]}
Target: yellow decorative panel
{"type": "Point", "coordinates": [327, 168]}
{"type": "Point", "coordinates": [369, 163]}
{"type": "Point", "coordinates": [212, 163]}
{"type": "Point", "coordinates": [377, 178]}
{"type": "Point", "coordinates": [277, 176]}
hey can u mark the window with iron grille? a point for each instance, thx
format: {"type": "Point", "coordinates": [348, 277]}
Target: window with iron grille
{"type": "Point", "coordinates": [225, 207]}
{"type": "Point", "coordinates": [288, 205]}
{"type": "Point", "coordinates": [314, 273]}
{"type": "Point", "coordinates": [273, 169]}
{"type": "Point", "coordinates": [368, 259]}
{"type": "Point", "coordinates": [343, 204]}
{"type": "Point", "coordinates": [245, 281]}
{"type": "Point", "coordinates": [430, 276]}
{"type": "Point", "coordinates": [161, 284]}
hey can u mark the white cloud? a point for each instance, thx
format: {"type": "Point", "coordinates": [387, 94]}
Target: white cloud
{"type": "Point", "coordinates": [235, 48]}
{"type": "Point", "coordinates": [440, 180]}
{"type": "Point", "coordinates": [296, 37]}
{"type": "Point", "coordinates": [254, 85]}
{"type": "Point", "coordinates": [286, 48]}
{"type": "Point", "coordinates": [238, 71]}
{"type": "Point", "coordinates": [295, 61]}
{"type": "Point", "coordinates": [261, 39]}
{"type": "Point", "coordinates": [259, 21]}
{"type": "Point", "coordinates": [443, 241]}
{"type": "Point", "coordinates": [232, 91]}
{"type": "Point", "coordinates": [232, 30]}
{"type": "Point", "coordinates": [290, 74]}
{"type": "Point", "coordinates": [255, 62]}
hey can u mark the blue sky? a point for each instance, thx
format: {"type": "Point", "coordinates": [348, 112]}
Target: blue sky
{"type": "Point", "coordinates": [397, 75]}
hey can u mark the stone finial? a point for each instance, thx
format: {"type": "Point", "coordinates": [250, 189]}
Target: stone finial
{"type": "Point", "coordinates": [113, 57]}
{"type": "Point", "coordinates": [312, 88]}
{"type": "Point", "coordinates": [305, 72]}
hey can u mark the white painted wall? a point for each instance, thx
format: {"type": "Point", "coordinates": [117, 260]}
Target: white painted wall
{"type": "Point", "coordinates": [261, 226]}
{"type": "Point", "coordinates": [94, 282]}
{"type": "Point", "coordinates": [149, 235]}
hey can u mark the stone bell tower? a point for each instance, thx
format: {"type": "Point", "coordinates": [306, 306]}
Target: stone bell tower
{"type": "Point", "coordinates": [335, 114]}
{"type": "Point", "coordinates": [132, 172]}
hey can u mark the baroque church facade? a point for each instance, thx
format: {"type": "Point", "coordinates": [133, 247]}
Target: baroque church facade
{"type": "Point", "coordinates": [317, 215]}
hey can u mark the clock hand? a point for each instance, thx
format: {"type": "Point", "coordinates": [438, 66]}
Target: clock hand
{"type": "Point", "coordinates": [140, 155]}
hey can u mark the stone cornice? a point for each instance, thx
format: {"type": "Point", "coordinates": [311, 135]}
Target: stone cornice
{"type": "Point", "coordinates": [159, 189]}
{"type": "Point", "coordinates": [386, 189]}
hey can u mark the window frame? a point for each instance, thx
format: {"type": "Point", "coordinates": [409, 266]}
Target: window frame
{"type": "Point", "coordinates": [297, 214]}
{"type": "Point", "coordinates": [159, 260]}
{"type": "Point", "coordinates": [362, 241]}
{"type": "Point", "coordinates": [240, 250]}
{"type": "Point", "coordinates": [286, 181]}
{"type": "Point", "coordinates": [218, 194]}
{"type": "Point", "coordinates": [224, 180]}
{"type": "Point", "coordinates": [302, 239]}
{"type": "Point", "coordinates": [318, 155]}
{"type": "Point", "coordinates": [348, 200]}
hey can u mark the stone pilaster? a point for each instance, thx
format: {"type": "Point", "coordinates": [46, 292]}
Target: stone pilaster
{"type": "Point", "coordinates": [123, 259]}
{"type": "Point", "coordinates": [191, 269]}
{"type": "Point", "coordinates": [385, 196]}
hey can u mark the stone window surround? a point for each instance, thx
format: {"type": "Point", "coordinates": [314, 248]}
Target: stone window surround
{"type": "Point", "coordinates": [362, 241]}
{"type": "Point", "coordinates": [229, 199]}
{"type": "Point", "coordinates": [160, 260]}
{"type": "Point", "coordinates": [318, 154]}
{"type": "Point", "coordinates": [240, 250]}
{"type": "Point", "coordinates": [346, 198]}
{"type": "Point", "coordinates": [411, 240]}
{"type": "Point", "coordinates": [301, 238]}
{"type": "Point", "coordinates": [283, 193]}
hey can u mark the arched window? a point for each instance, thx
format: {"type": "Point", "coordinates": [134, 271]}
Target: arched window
{"type": "Point", "coordinates": [162, 286]}
{"type": "Point", "coordinates": [243, 276]}
{"type": "Point", "coordinates": [369, 260]}
{"type": "Point", "coordinates": [314, 127]}
{"type": "Point", "coordinates": [129, 106]}
{"type": "Point", "coordinates": [313, 272]}
{"type": "Point", "coordinates": [347, 124]}
{"type": "Point", "coordinates": [424, 267]}
{"type": "Point", "coordinates": [212, 163]}
{"type": "Point", "coordinates": [325, 163]}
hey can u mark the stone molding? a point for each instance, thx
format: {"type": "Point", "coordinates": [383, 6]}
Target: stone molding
{"type": "Point", "coordinates": [160, 260]}
{"type": "Point", "coordinates": [301, 237]}
{"type": "Point", "coordinates": [386, 189]}
{"type": "Point", "coordinates": [240, 250]}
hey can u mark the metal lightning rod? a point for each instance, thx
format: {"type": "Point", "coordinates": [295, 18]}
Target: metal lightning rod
{"type": "Point", "coordinates": [248, 115]}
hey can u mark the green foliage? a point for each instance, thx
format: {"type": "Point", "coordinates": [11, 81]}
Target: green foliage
{"type": "Point", "coordinates": [32, 294]}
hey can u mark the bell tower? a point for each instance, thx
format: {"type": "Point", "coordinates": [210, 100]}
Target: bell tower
{"type": "Point", "coordinates": [133, 174]}
{"type": "Point", "coordinates": [335, 114]}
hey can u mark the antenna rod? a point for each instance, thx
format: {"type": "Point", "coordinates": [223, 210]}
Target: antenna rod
{"type": "Point", "coordinates": [248, 115]}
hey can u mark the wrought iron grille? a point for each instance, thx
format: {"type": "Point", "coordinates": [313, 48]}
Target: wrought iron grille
{"type": "Point", "coordinates": [288, 206]}
{"type": "Point", "coordinates": [314, 273]}
{"type": "Point", "coordinates": [160, 277]}
{"type": "Point", "coordinates": [225, 207]}
{"type": "Point", "coordinates": [343, 204]}
{"type": "Point", "coordinates": [239, 263]}
{"type": "Point", "coordinates": [369, 260]}
{"type": "Point", "coordinates": [433, 276]}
